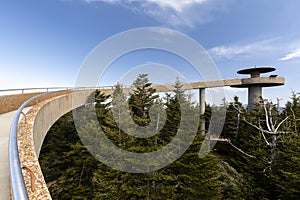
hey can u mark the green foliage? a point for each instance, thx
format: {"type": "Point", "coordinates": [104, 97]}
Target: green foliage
{"type": "Point", "coordinates": [196, 178]}
{"type": "Point", "coordinates": [58, 141]}
{"type": "Point", "coordinates": [232, 183]}
{"type": "Point", "coordinates": [142, 99]}
{"type": "Point", "coordinates": [71, 172]}
{"type": "Point", "coordinates": [233, 119]}
{"type": "Point", "coordinates": [286, 170]}
{"type": "Point", "coordinates": [76, 183]}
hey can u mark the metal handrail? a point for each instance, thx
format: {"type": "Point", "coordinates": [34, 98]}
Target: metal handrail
{"type": "Point", "coordinates": [18, 187]}
{"type": "Point", "coordinates": [53, 88]}
{"type": "Point", "coordinates": [24, 89]}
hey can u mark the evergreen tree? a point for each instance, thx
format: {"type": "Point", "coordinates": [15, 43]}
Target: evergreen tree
{"type": "Point", "coordinates": [248, 168]}
{"type": "Point", "coordinates": [195, 178]}
{"type": "Point", "coordinates": [234, 112]}
{"type": "Point", "coordinates": [292, 109]}
{"type": "Point", "coordinates": [286, 170]}
{"type": "Point", "coordinates": [58, 140]}
{"type": "Point", "coordinates": [75, 182]}
{"type": "Point", "coordinates": [142, 99]}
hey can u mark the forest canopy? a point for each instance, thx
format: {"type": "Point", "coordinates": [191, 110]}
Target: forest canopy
{"type": "Point", "coordinates": [258, 158]}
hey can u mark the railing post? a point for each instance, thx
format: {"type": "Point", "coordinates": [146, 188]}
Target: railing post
{"type": "Point", "coordinates": [25, 119]}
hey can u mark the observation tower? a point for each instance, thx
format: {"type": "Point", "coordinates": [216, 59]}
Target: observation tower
{"type": "Point", "coordinates": [256, 82]}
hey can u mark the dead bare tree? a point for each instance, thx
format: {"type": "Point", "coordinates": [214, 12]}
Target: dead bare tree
{"type": "Point", "coordinates": [239, 112]}
{"type": "Point", "coordinates": [240, 150]}
{"type": "Point", "coordinates": [272, 129]}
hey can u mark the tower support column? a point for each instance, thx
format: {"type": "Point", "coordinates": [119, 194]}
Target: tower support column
{"type": "Point", "coordinates": [254, 95]}
{"type": "Point", "coordinates": [202, 109]}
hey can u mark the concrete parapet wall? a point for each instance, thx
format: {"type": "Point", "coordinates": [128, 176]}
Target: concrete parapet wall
{"type": "Point", "coordinates": [49, 113]}
{"type": "Point", "coordinates": [32, 133]}
{"type": "Point", "coordinates": [200, 85]}
{"type": "Point", "coordinates": [263, 81]}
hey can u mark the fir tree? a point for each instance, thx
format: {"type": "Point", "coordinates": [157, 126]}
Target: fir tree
{"type": "Point", "coordinates": [142, 99]}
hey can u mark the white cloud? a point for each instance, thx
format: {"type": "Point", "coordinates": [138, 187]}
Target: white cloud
{"type": "Point", "coordinates": [176, 5]}
{"type": "Point", "coordinates": [230, 51]}
{"type": "Point", "coordinates": [105, 1]}
{"type": "Point", "coordinates": [274, 47]}
{"type": "Point", "coordinates": [292, 55]}
{"type": "Point", "coordinates": [175, 13]}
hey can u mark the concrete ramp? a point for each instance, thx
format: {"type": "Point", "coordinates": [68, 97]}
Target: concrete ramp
{"type": "Point", "coordinates": [5, 122]}
{"type": "Point", "coordinates": [32, 133]}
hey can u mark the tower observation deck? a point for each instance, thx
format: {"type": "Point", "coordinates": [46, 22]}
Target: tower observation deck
{"type": "Point", "coordinates": [256, 82]}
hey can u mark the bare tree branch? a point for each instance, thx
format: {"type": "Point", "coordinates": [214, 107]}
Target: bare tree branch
{"type": "Point", "coordinates": [280, 124]}
{"type": "Point", "coordinates": [244, 119]}
{"type": "Point", "coordinates": [261, 130]}
{"type": "Point", "coordinates": [271, 119]}
{"type": "Point", "coordinates": [268, 143]}
{"type": "Point", "coordinates": [238, 117]}
{"type": "Point", "coordinates": [240, 150]}
{"type": "Point", "coordinates": [267, 116]}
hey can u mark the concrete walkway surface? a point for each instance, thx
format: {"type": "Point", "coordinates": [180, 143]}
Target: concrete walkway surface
{"type": "Point", "coordinates": [5, 122]}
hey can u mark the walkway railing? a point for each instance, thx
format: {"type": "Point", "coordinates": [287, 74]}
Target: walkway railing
{"type": "Point", "coordinates": [46, 89]}
{"type": "Point", "coordinates": [17, 183]}
{"type": "Point", "coordinates": [18, 188]}
{"type": "Point", "coordinates": [26, 90]}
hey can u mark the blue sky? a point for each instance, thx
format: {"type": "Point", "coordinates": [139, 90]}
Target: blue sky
{"type": "Point", "coordinates": [44, 43]}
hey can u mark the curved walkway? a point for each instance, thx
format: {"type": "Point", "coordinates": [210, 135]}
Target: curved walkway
{"type": "Point", "coordinates": [49, 112]}
{"type": "Point", "coordinates": [5, 122]}
{"type": "Point", "coordinates": [30, 136]}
